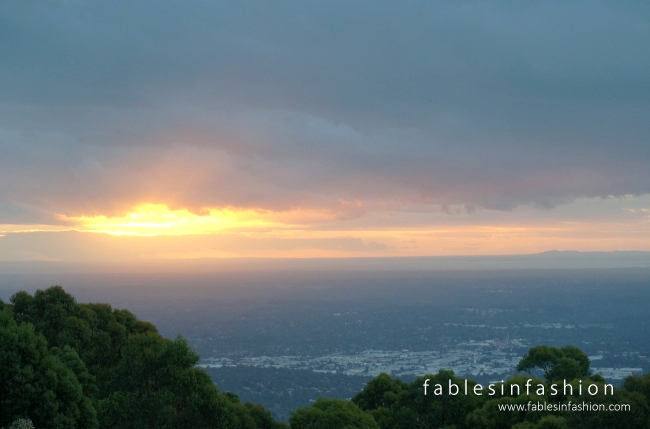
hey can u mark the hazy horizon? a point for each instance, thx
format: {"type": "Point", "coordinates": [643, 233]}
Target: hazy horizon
{"type": "Point", "coordinates": [550, 260]}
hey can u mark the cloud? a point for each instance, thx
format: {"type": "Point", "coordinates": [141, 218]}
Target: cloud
{"type": "Point", "coordinates": [313, 105]}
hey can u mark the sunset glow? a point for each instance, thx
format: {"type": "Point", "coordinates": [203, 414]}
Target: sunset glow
{"type": "Point", "coordinates": [328, 135]}
{"type": "Point", "coordinates": [158, 219]}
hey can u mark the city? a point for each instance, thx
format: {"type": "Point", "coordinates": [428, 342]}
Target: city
{"type": "Point", "coordinates": [491, 360]}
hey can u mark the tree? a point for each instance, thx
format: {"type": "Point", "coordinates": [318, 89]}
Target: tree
{"type": "Point", "coordinates": [125, 370]}
{"type": "Point", "coordinates": [381, 391]}
{"type": "Point", "coordinates": [546, 422]}
{"type": "Point", "coordinates": [414, 409]}
{"type": "Point", "coordinates": [566, 363]}
{"type": "Point", "coordinates": [253, 416]}
{"type": "Point", "coordinates": [332, 414]}
{"type": "Point", "coordinates": [22, 424]}
{"type": "Point", "coordinates": [639, 384]}
{"type": "Point", "coordinates": [156, 385]}
{"type": "Point", "coordinates": [637, 416]}
{"type": "Point", "coordinates": [48, 310]}
{"type": "Point", "coordinates": [37, 384]}
{"type": "Point", "coordinates": [489, 414]}
{"type": "Point", "coordinates": [96, 332]}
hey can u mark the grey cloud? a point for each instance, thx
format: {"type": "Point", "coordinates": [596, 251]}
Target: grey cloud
{"type": "Point", "coordinates": [486, 104]}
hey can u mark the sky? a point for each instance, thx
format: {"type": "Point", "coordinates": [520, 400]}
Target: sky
{"type": "Point", "coordinates": [148, 130]}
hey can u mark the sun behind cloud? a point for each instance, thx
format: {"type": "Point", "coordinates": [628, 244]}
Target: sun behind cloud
{"type": "Point", "coordinates": [158, 219]}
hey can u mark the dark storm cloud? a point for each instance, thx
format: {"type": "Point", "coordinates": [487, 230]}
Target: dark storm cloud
{"type": "Point", "coordinates": [276, 105]}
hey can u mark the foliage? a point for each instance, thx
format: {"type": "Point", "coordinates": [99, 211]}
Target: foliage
{"type": "Point", "coordinates": [396, 405]}
{"type": "Point", "coordinates": [380, 392]}
{"type": "Point", "coordinates": [35, 383]}
{"type": "Point", "coordinates": [283, 390]}
{"type": "Point", "coordinates": [22, 424]}
{"type": "Point", "coordinates": [489, 416]}
{"type": "Point", "coordinates": [71, 365]}
{"type": "Point", "coordinates": [416, 410]}
{"type": "Point", "coordinates": [253, 416]}
{"type": "Point", "coordinates": [546, 422]}
{"type": "Point", "coordinates": [332, 414]}
{"type": "Point", "coordinates": [566, 363]}
{"type": "Point", "coordinates": [638, 384]}
{"type": "Point", "coordinates": [156, 385]}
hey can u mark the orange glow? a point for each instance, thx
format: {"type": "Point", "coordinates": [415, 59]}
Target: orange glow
{"type": "Point", "coordinates": [155, 231]}
{"type": "Point", "coordinates": [158, 219]}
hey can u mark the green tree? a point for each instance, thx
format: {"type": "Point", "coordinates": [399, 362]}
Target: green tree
{"type": "Point", "coordinates": [126, 370]}
{"type": "Point", "coordinates": [381, 391]}
{"type": "Point", "coordinates": [37, 384]}
{"type": "Point", "coordinates": [636, 417]}
{"type": "Point", "coordinates": [414, 409]}
{"type": "Point", "coordinates": [156, 385]}
{"type": "Point", "coordinates": [22, 424]}
{"type": "Point", "coordinates": [253, 416]}
{"type": "Point", "coordinates": [566, 363]}
{"type": "Point", "coordinates": [48, 310]}
{"type": "Point", "coordinates": [332, 414]}
{"type": "Point", "coordinates": [97, 332]}
{"type": "Point", "coordinates": [546, 422]}
{"type": "Point", "coordinates": [490, 416]}
{"type": "Point", "coordinates": [639, 384]}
